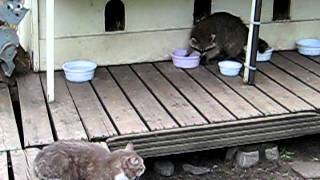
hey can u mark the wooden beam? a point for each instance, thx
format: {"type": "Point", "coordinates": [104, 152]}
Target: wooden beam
{"type": "Point", "coordinates": [50, 49]}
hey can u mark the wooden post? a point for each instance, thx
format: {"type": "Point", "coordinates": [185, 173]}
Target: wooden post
{"type": "Point", "coordinates": [50, 49]}
{"type": "Point", "coordinates": [253, 41]}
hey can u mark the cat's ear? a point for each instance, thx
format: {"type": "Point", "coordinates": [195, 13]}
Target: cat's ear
{"type": "Point", "coordinates": [192, 42]}
{"type": "Point", "coordinates": [213, 37]}
{"type": "Point", "coordinates": [129, 147]}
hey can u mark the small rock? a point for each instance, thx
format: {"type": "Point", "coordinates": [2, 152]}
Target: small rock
{"type": "Point", "coordinates": [194, 170]}
{"type": "Point", "coordinates": [308, 170]}
{"type": "Point", "coordinates": [231, 152]}
{"type": "Point", "coordinates": [164, 168]}
{"type": "Point", "coordinates": [215, 166]}
{"type": "Point", "coordinates": [272, 154]}
{"type": "Point", "coordinates": [247, 159]}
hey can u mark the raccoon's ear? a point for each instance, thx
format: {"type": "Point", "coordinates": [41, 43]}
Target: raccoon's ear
{"type": "Point", "coordinates": [213, 37]}
{"type": "Point", "coordinates": [192, 42]}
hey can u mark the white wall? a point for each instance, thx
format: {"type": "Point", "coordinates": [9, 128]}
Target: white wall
{"type": "Point", "coordinates": [154, 28]}
{"type": "Point", "coordinates": [83, 17]}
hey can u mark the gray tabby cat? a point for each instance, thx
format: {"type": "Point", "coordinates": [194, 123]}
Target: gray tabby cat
{"type": "Point", "coordinates": [79, 160]}
{"type": "Point", "coordinates": [221, 34]}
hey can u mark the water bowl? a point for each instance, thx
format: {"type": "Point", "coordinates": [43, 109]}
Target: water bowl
{"type": "Point", "coordinates": [79, 70]}
{"type": "Point", "coordinates": [309, 47]}
{"type": "Point", "coordinates": [266, 56]}
{"type": "Point", "coordinates": [229, 68]}
{"type": "Point", "coordinates": [180, 59]}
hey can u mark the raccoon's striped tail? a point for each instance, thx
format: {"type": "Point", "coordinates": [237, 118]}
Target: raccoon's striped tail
{"type": "Point", "coordinates": [262, 46]}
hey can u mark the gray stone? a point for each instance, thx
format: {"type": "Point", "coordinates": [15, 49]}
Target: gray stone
{"type": "Point", "coordinates": [231, 152]}
{"type": "Point", "coordinates": [164, 168]}
{"type": "Point", "coordinates": [247, 159]}
{"type": "Point", "coordinates": [308, 170]}
{"type": "Point", "coordinates": [272, 153]}
{"type": "Point", "coordinates": [195, 170]}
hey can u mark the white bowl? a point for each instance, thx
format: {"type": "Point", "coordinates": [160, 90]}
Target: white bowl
{"type": "Point", "coordinates": [309, 47]}
{"type": "Point", "coordinates": [229, 68]}
{"type": "Point", "coordinates": [266, 56]}
{"type": "Point", "coordinates": [181, 61]}
{"type": "Point", "coordinates": [79, 70]}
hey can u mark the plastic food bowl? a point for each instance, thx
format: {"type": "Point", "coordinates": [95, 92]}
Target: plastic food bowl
{"type": "Point", "coordinates": [266, 56]}
{"type": "Point", "coordinates": [229, 68]}
{"type": "Point", "coordinates": [79, 70]}
{"type": "Point", "coordinates": [181, 61]}
{"type": "Point", "coordinates": [309, 47]}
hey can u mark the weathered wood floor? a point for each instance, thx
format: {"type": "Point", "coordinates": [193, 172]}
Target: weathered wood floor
{"type": "Point", "coordinates": [161, 109]}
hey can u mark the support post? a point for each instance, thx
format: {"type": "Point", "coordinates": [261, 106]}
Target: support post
{"type": "Point", "coordinates": [50, 49]}
{"type": "Point", "coordinates": [253, 42]}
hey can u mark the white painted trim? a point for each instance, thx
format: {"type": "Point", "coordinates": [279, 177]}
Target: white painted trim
{"type": "Point", "coordinates": [35, 36]}
{"type": "Point", "coordinates": [249, 43]}
{"type": "Point", "coordinates": [50, 49]}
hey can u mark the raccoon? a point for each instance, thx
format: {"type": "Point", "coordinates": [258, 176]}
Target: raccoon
{"type": "Point", "coordinates": [221, 34]}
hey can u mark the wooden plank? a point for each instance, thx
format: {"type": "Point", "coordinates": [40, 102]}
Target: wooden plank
{"type": "Point", "coordinates": [207, 105]}
{"type": "Point", "coordinates": [9, 136]}
{"type": "Point", "coordinates": [34, 114]}
{"type": "Point", "coordinates": [146, 104]}
{"type": "Point", "coordinates": [65, 117]}
{"type": "Point", "coordinates": [297, 71]}
{"type": "Point", "coordinates": [316, 58]}
{"type": "Point", "coordinates": [294, 85]}
{"type": "Point", "coordinates": [260, 100]}
{"type": "Point", "coordinates": [19, 165]}
{"type": "Point", "coordinates": [30, 156]}
{"type": "Point", "coordinates": [22, 164]}
{"type": "Point", "coordinates": [93, 116]}
{"type": "Point", "coordinates": [280, 94]}
{"type": "Point", "coordinates": [302, 61]}
{"type": "Point", "coordinates": [175, 103]}
{"type": "Point", "coordinates": [231, 100]}
{"type": "Point", "coordinates": [119, 108]}
{"type": "Point", "coordinates": [4, 174]}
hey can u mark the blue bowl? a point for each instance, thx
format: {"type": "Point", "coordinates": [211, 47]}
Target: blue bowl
{"type": "Point", "coordinates": [79, 70]}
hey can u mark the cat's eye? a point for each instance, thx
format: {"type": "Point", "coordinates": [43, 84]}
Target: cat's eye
{"type": "Point", "coordinates": [19, 6]}
{"type": "Point", "coordinates": [10, 6]}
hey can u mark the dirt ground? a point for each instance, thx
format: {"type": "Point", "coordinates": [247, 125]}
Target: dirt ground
{"type": "Point", "coordinates": [306, 148]}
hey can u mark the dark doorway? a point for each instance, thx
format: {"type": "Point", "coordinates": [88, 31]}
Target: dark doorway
{"type": "Point", "coordinates": [114, 16]}
{"type": "Point", "coordinates": [281, 9]}
{"type": "Point", "coordinates": [202, 9]}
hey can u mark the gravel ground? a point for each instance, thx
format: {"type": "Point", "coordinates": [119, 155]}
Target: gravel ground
{"type": "Point", "coordinates": [306, 149]}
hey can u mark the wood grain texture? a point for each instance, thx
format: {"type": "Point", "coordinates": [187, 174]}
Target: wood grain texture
{"type": "Point", "coordinates": [34, 114]}
{"type": "Point", "coordinates": [66, 120]}
{"type": "Point", "coordinates": [22, 164]}
{"type": "Point", "coordinates": [9, 136]}
{"type": "Point", "coordinates": [294, 85]}
{"type": "Point", "coordinates": [206, 104]}
{"type": "Point", "coordinates": [122, 113]}
{"type": "Point", "coordinates": [297, 71]}
{"type": "Point", "coordinates": [309, 64]}
{"type": "Point", "coordinates": [230, 99]}
{"type": "Point", "coordinates": [93, 116]}
{"type": "Point", "coordinates": [4, 174]}
{"type": "Point", "coordinates": [261, 101]}
{"type": "Point", "coordinates": [19, 165]}
{"type": "Point", "coordinates": [146, 104]}
{"type": "Point", "coordinates": [175, 103]}
{"type": "Point", "coordinates": [280, 94]}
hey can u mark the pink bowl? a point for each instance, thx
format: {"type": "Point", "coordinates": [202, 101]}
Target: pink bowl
{"type": "Point", "coordinates": [181, 61]}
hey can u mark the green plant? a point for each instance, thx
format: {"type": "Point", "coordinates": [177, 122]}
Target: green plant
{"type": "Point", "coordinates": [286, 155]}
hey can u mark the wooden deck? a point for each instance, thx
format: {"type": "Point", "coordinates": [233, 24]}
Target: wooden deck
{"type": "Point", "coordinates": [161, 109]}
